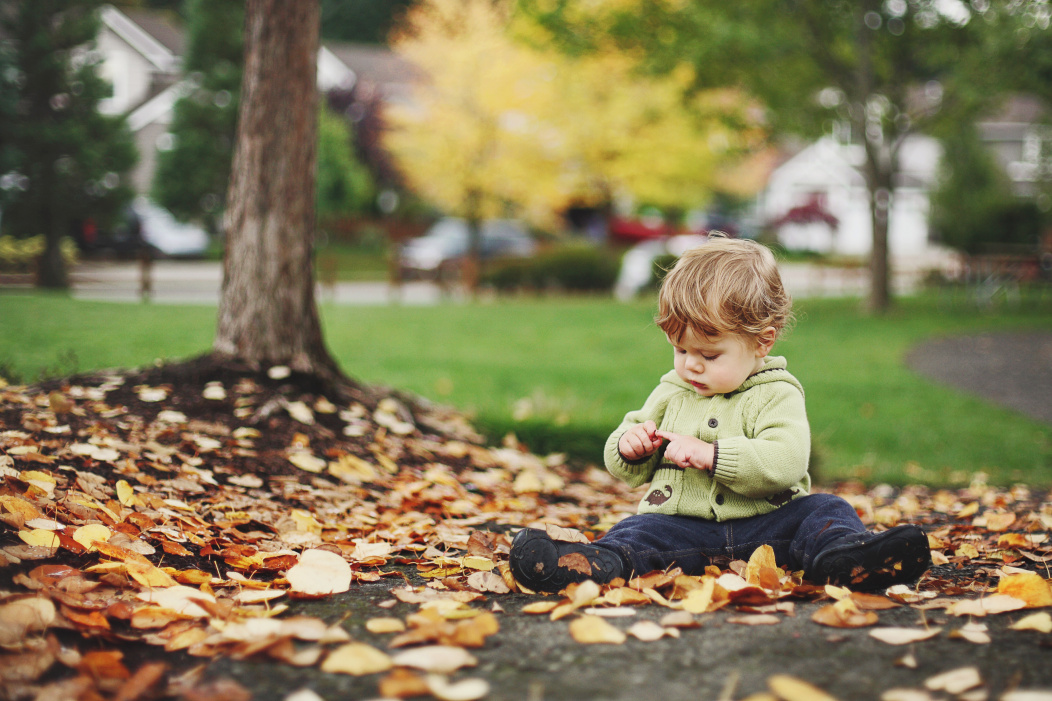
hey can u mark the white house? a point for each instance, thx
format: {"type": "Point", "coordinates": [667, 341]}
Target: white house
{"type": "Point", "coordinates": [826, 177]}
{"type": "Point", "coordinates": [142, 57]}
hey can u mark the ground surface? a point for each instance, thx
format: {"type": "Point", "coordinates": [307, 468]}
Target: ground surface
{"type": "Point", "coordinates": [213, 484]}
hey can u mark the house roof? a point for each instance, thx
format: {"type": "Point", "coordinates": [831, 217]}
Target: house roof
{"type": "Point", "coordinates": [376, 64]}
{"type": "Point", "coordinates": [165, 55]}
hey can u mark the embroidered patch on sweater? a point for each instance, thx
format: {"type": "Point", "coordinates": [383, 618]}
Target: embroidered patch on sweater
{"type": "Point", "coordinates": [658, 497]}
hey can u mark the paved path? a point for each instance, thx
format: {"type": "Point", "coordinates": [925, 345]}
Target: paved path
{"type": "Point", "coordinates": [1014, 370]}
{"type": "Point", "coordinates": [197, 282]}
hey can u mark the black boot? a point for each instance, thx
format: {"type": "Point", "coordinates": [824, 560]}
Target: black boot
{"type": "Point", "coordinates": [867, 561]}
{"type": "Point", "coordinates": [542, 564]}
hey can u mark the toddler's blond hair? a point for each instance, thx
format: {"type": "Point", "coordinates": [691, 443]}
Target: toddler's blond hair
{"type": "Point", "coordinates": [724, 286]}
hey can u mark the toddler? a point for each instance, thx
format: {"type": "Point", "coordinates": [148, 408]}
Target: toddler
{"type": "Point", "coordinates": [724, 443]}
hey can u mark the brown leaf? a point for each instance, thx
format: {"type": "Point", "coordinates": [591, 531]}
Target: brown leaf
{"type": "Point", "coordinates": [576, 562]}
{"type": "Point", "coordinates": [143, 683]}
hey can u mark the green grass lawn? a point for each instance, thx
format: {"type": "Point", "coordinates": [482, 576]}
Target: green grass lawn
{"type": "Point", "coordinates": [561, 372]}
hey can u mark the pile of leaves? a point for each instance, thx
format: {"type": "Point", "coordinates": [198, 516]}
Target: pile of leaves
{"type": "Point", "coordinates": [182, 508]}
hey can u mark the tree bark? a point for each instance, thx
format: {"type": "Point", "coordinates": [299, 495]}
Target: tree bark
{"type": "Point", "coordinates": [267, 311]}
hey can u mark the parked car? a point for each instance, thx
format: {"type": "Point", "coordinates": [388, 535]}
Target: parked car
{"type": "Point", "coordinates": [166, 235]}
{"type": "Point", "coordinates": [438, 252]}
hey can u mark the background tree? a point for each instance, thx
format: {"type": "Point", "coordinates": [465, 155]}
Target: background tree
{"type": "Point", "coordinates": [886, 67]}
{"type": "Point", "coordinates": [68, 160]}
{"type": "Point", "coordinates": [345, 185]}
{"type": "Point", "coordinates": [973, 207]}
{"type": "Point", "coordinates": [366, 21]}
{"type": "Point", "coordinates": [502, 128]}
{"type": "Point", "coordinates": [267, 311]}
{"type": "Point", "coordinates": [192, 175]}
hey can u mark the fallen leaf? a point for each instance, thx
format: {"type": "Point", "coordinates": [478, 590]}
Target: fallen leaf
{"type": "Point", "coordinates": [903, 636]}
{"type": "Point", "coordinates": [568, 535]}
{"type": "Point", "coordinates": [438, 659]}
{"type": "Point", "coordinates": [21, 617]}
{"type": "Point", "coordinates": [88, 535]}
{"type": "Point", "coordinates": [648, 631]}
{"type": "Point", "coordinates": [997, 603]}
{"type": "Point", "coordinates": [319, 572]}
{"type": "Point", "coordinates": [307, 461]}
{"type": "Point", "coordinates": [1041, 622]}
{"type": "Point", "coordinates": [356, 659]}
{"type": "Point", "coordinates": [591, 630]}
{"type": "Point", "coordinates": [1029, 587]}
{"type": "Point", "coordinates": [845, 613]}
{"type": "Point", "coordinates": [973, 633]}
{"type": "Point", "coordinates": [576, 562]}
{"type": "Point", "coordinates": [181, 599]}
{"type": "Point", "coordinates": [955, 681]}
{"type": "Point", "coordinates": [462, 690]}
{"type": "Point", "coordinates": [385, 625]}
{"type": "Point", "coordinates": [790, 688]}
{"type": "Point", "coordinates": [761, 619]}
{"type": "Point", "coordinates": [39, 537]}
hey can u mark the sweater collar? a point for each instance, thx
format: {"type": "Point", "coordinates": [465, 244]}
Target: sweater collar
{"type": "Point", "coordinates": [774, 370]}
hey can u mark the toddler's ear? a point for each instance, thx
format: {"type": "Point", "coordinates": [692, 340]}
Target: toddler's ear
{"type": "Point", "coordinates": [765, 341]}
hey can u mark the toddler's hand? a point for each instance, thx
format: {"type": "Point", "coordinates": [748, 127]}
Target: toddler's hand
{"type": "Point", "coordinates": [687, 451]}
{"type": "Point", "coordinates": [639, 441]}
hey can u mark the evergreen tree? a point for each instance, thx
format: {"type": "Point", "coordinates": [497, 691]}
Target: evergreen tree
{"type": "Point", "coordinates": [973, 207]}
{"type": "Point", "coordinates": [345, 186]}
{"type": "Point", "coordinates": [365, 21]}
{"type": "Point", "coordinates": [67, 160]}
{"type": "Point", "coordinates": [192, 176]}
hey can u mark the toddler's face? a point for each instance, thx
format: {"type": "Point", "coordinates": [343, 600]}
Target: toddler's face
{"type": "Point", "coordinates": [716, 364]}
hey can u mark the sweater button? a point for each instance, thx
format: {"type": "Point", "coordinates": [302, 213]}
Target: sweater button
{"type": "Point", "coordinates": [713, 423]}
{"type": "Point", "coordinates": [719, 499]}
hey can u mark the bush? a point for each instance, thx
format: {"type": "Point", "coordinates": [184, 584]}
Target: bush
{"type": "Point", "coordinates": [566, 269]}
{"type": "Point", "coordinates": [973, 207]}
{"type": "Point", "coordinates": [20, 255]}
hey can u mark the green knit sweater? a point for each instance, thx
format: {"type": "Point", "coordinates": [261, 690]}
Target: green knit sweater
{"type": "Point", "coordinates": [762, 445]}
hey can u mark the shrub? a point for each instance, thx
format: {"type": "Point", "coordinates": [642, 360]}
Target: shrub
{"type": "Point", "coordinates": [564, 269]}
{"type": "Point", "coordinates": [20, 255]}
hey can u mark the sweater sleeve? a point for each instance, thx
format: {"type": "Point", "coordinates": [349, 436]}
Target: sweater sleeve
{"type": "Point", "coordinates": [773, 455]}
{"type": "Point", "coordinates": [641, 472]}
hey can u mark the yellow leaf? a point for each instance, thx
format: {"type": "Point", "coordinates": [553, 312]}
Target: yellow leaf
{"type": "Point", "coordinates": [126, 494]}
{"type": "Point", "coordinates": [88, 535]}
{"type": "Point", "coordinates": [356, 659]}
{"type": "Point", "coordinates": [305, 522]}
{"type": "Point", "coordinates": [792, 689]}
{"type": "Point", "coordinates": [307, 461]}
{"type": "Point", "coordinates": [473, 562]}
{"type": "Point", "coordinates": [590, 630]}
{"type": "Point", "coordinates": [1029, 587]}
{"type": "Point", "coordinates": [969, 510]}
{"type": "Point", "coordinates": [1041, 622]}
{"type": "Point", "coordinates": [385, 625]}
{"type": "Point", "coordinates": [761, 557]}
{"type": "Point", "coordinates": [539, 607]}
{"type": "Point", "coordinates": [21, 507]}
{"type": "Point", "coordinates": [148, 575]}
{"type": "Point", "coordinates": [40, 537]}
{"type": "Point", "coordinates": [700, 600]}
{"type": "Point", "coordinates": [967, 550]}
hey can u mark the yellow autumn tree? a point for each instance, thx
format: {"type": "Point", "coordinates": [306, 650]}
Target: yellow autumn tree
{"type": "Point", "coordinates": [501, 127]}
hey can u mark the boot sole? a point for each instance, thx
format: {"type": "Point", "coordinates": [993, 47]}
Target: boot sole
{"type": "Point", "coordinates": [542, 564]}
{"type": "Point", "coordinates": [896, 556]}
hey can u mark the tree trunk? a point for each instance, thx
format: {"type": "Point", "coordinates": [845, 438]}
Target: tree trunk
{"type": "Point", "coordinates": [267, 312]}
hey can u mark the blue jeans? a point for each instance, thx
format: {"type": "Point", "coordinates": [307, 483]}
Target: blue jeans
{"type": "Point", "coordinates": [797, 531]}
